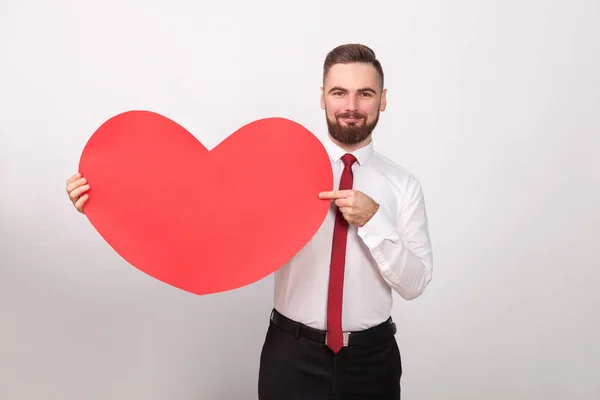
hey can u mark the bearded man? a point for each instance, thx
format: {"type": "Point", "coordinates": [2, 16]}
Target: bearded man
{"type": "Point", "coordinates": [331, 335]}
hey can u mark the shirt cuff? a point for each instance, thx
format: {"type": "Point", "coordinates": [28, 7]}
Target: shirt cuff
{"type": "Point", "coordinates": [378, 229]}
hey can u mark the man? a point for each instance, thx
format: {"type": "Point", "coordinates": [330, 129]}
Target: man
{"type": "Point", "coordinates": [330, 334]}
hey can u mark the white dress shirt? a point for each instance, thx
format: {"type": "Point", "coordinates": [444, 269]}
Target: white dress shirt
{"type": "Point", "coordinates": [391, 252]}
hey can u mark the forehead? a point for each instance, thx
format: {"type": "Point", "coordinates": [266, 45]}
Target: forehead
{"type": "Point", "coordinates": [352, 76]}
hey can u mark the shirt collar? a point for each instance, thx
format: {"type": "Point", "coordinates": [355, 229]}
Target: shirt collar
{"type": "Point", "coordinates": [335, 152]}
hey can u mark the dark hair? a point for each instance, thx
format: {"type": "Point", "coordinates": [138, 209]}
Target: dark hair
{"type": "Point", "coordinates": [352, 53]}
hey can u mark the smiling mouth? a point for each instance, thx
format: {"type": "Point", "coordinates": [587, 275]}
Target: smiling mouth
{"type": "Point", "coordinates": [351, 119]}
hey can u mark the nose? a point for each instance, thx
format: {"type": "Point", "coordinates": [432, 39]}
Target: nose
{"type": "Point", "coordinates": [351, 105]}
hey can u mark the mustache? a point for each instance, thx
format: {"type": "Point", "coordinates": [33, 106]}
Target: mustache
{"type": "Point", "coordinates": [350, 114]}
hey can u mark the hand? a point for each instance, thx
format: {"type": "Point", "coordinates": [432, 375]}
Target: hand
{"type": "Point", "coordinates": [76, 186]}
{"type": "Point", "coordinates": [356, 207]}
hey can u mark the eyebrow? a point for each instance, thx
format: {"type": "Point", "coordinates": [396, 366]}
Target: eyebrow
{"type": "Point", "coordinates": [366, 89]}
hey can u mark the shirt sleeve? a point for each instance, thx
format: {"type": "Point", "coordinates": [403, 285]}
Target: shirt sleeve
{"type": "Point", "coordinates": [402, 247]}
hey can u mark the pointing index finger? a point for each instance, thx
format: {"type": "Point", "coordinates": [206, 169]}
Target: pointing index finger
{"type": "Point", "coordinates": [335, 194]}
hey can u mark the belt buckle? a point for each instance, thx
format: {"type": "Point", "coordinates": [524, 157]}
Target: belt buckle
{"type": "Point", "coordinates": [345, 338]}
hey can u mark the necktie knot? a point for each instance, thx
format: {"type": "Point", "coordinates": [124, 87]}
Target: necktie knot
{"type": "Point", "coordinates": [348, 160]}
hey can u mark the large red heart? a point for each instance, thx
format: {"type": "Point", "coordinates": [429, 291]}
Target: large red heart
{"type": "Point", "coordinates": [203, 221]}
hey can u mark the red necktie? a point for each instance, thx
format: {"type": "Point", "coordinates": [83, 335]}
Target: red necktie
{"type": "Point", "coordinates": [336, 271]}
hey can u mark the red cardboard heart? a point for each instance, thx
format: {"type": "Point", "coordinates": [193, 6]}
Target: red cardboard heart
{"type": "Point", "coordinates": [202, 221]}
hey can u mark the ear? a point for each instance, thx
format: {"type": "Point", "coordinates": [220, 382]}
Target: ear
{"type": "Point", "coordinates": [322, 98]}
{"type": "Point", "coordinates": [383, 103]}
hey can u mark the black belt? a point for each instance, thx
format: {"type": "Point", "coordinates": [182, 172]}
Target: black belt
{"type": "Point", "coordinates": [384, 330]}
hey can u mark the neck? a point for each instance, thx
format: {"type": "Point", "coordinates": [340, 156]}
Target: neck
{"type": "Point", "coordinates": [351, 147]}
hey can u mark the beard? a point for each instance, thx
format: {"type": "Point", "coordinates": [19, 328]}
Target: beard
{"type": "Point", "coordinates": [353, 132]}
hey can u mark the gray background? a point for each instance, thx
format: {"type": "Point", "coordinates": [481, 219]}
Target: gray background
{"type": "Point", "coordinates": [492, 104]}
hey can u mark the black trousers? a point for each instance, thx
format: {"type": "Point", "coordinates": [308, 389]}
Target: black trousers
{"type": "Point", "coordinates": [297, 368]}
